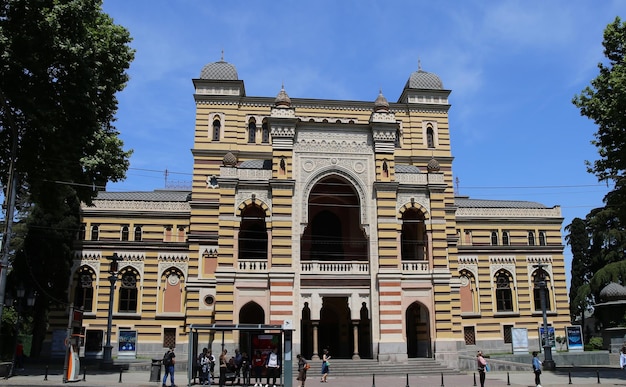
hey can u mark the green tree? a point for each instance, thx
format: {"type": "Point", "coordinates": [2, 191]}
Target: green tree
{"type": "Point", "coordinates": [62, 63]}
{"type": "Point", "coordinates": [578, 239]}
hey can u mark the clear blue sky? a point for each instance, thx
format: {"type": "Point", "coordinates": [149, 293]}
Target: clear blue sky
{"type": "Point", "coordinates": [513, 68]}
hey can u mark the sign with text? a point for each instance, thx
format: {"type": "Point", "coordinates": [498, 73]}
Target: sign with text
{"type": "Point", "coordinates": [551, 338]}
{"type": "Point", "coordinates": [519, 337]}
{"type": "Point", "coordinates": [574, 335]}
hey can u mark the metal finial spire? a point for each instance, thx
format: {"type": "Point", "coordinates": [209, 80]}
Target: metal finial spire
{"type": "Point", "coordinates": [222, 54]}
{"type": "Point", "coordinates": [419, 64]}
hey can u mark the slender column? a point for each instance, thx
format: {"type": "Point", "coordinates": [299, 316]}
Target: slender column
{"type": "Point", "coordinates": [315, 327]}
{"type": "Point", "coordinates": [355, 329]}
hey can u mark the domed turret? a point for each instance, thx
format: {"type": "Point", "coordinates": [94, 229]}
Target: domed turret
{"type": "Point", "coordinates": [230, 160]}
{"type": "Point", "coordinates": [421, 79]}
{"type": "Point", "coordinates": [381, 104]}
{"type": "Point", "coordinates": [613, 292]}
{"type": "Point", "coordinates": [433, 165]}
{"type": "Point", "coordinates": [282, 99]}
{"type": "Point", "coordinates": [219, 71]}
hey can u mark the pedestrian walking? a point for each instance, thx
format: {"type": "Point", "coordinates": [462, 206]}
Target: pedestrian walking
{"type": "Point", "coordinates": [303, 366]}
{"type": "Point", "coordinates": [169, 360]}
{"type": "Point", "coordinates": [205, 366]}
{"type": "Point", "coordinates": [481, 364]}
{"type": "Point", "coordinates": [325, 366]}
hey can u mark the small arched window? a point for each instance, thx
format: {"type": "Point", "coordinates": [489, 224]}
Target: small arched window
{"type": "Point", "coordinates": [83, 291]}
{"type": "Point", "coordinates": [82, 232]}
{"type": "Point", "coordinates": [252, 131]}
{"type": "Point", "coordinates": [505, 238]}
{"type": "Point", "coordinates": [531, 238]}
{"type": "Point", "coordinates": [217, 130]}
{"type": "Point", "coordinates": [124, 233]}
{"type": "Point", "coordinates": [541, 283]}
{"type": "Point", "coordinates": [494, 238]}
{"type": "Point", "coordinates": [95, 233]}
{"type": "Point", "coordinates": [398, 143]}
{"type": "Point", "coordinates": [265, 133]}
{"type": "Point", "coordinates": [430, 137]}
{"type": "Point", "coordinates": [137, 233]}
{"type": "Point", "coordinates": [542, 238]}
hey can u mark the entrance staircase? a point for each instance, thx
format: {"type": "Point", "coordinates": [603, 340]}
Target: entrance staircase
{"type": "Point", "coordinates": [365, 367]}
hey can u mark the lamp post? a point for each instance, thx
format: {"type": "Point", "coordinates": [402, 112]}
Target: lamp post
{"type": "Point", "coordinates": [548, 363]}
{"type": "Point", "coordinates": [107, 359]}
{"type": "Point", "coordinates": [30, 301]}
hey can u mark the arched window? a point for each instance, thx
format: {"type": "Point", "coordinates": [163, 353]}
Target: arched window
{"type": "Point", "coordinates": [168, 233]}
{"type": "Point", "coordinates": [542, 238]}
{"type": "Point", "coordinates": [95, 232]}
{"type": "Point", "coordinates": [137, 233]}
{"type": "Point", "coordinates": [82, 232]}
{"type": "Point", "coordinates": [181, 234]}
{"type": "Point", "coordinates": [252, 131]}
{"type": "Point", "coordinates": [124, 233]}
{"type": "Point", "coordinates": [217, 130]}
{"type": "Point", "coordinates": [494, 238]}
{"type": "Point", "coordinates": [504, 293]}
{"type": "Point", "coordinates": [398, 142]}
{"type": "Point", "coordinates": [505, 238]}
{"type": "Point", "coordinates": [128, 291]}
{"type": "Point", "coordinates": [253, 234]}
{"type": "Point", "coordinates": [541, 281]}
{"type": "Point", "coordinates": [531, 238]}
{"type": "Point", "coordinates": [413, 238]}
{"type": "Point", "coordinates": [265, 132]}
{"type": "Point", "coordinates": [430, 137]}
{"type": "Point", "coordinates": [83, 290]}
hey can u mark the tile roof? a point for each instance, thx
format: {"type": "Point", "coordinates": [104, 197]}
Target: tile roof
{"type": "Point", "coordinates": [146, 196]}
{"type": "Point", "coordinates": [466, 202]}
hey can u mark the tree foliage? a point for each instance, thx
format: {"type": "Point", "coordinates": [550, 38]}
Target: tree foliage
{"type": "Point", "coordinates": [604, 102]}
{"type": "Point", "coordinates": [578, 239]}
{"type": "Point", "coordinates": [62, 62]}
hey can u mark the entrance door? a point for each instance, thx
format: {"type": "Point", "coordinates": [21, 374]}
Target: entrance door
{"type": "Point", "coordinates": [418, 331]}
{"type": "Point", "coordinates": [335, 329]}
{"type": "Point", "coordinates": [250, 313]}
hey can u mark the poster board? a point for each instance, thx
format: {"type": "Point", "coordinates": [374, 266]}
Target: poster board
{"type": "Point", "coordinates": [519, 338]}
{"type": "Point", "coordinates": [127, 344]}
{"type": "Point", "coordinates": [574, 334]}
{"type": "Point", "coordinates": [551, 338]}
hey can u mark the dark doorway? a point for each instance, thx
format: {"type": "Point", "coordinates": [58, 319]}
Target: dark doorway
{"type": "Point", "coordinates": [417, 331]}
{"type": "Point", "coordinates": [335, 330]}
{"type": "Point", "coordinates": [250, 313]}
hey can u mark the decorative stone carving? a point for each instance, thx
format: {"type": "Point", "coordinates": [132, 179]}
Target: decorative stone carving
{"type": "Point", "coordinates": [404, 198]}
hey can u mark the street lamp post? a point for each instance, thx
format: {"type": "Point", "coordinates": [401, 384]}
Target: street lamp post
{"type": "Point", "coordinates": [548, 363]}
{"type": "Point", "coordinates": [30, 301]}
{"type": "Point", "coordinates": [108, 348]}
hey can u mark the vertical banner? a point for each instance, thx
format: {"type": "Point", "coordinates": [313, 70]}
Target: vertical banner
{"type": "Point", "coordinates": [519, 337]}
{"type": "Point", "coordinates": [574, 335]}
{"type": "Point", "coordinates": [551, 338]}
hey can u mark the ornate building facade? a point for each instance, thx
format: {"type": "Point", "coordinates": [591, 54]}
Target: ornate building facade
{"type": "Point", "coordinates": [338, 216]}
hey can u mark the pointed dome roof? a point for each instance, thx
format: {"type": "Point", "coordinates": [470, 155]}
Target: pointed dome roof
{"type": "Point", "coordinates": [381, 103]}
{"type": "Point", "coordinates": [220, 70]}
{"type": "Point", "coordinates": [613, 292]}
{"type": "Point", "coordinates": [421, 79]}
{"type": "Point", "coordinates": [282, 99]}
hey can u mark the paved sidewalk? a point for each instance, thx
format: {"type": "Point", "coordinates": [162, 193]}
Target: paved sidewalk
{"type": "Point", "coordinates": [579, 376]}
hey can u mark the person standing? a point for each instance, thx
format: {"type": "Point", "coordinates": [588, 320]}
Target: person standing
{"type": "Point", "coordinates": [169, 362]}
{"type": "Point", "coordinates": [245, 369]}
{"type": "Point", "coordinates": [272, 363]}
{"type": "Point", "coordinates": [622, 358]}
{"type": "Point", "coordinates": [237, 360]}
{"type": "Point", "coordinates": [325, 366]}
{"type": "Point", "coordinates": [303, 366]}
{"type": "Point", "coordinates": [537, 369]}
{"type": "Point", "coordinates": [223, 367]}
{"type": "Point", "coordinates": [257, 367]}
{"type": "Point", "coordinates": [481, 364]}
{"type": "Point", "coordinates": [205, 364]}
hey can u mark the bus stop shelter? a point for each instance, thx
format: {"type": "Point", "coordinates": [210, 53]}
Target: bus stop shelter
{"type": "Point", "coordinates": [285, 331]}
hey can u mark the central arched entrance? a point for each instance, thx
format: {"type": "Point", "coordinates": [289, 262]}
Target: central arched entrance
{"type": "Point", "coordinates": [418, 331]}
{"type": "Point", "coordinates": [335, 332]}
{"type": "Point", "coordinates": [334, 231]}
{"type": "Point", "coordinates": [250, 313]}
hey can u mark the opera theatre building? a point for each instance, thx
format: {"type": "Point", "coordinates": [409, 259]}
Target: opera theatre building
{"type": "Point", "coordinates": [337, 217]}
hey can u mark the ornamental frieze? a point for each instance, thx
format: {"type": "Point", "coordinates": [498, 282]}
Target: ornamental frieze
{"type": "Point", "coordinates": [510, 212]}
{"type": "Point", "coordinates": [138, 205]}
